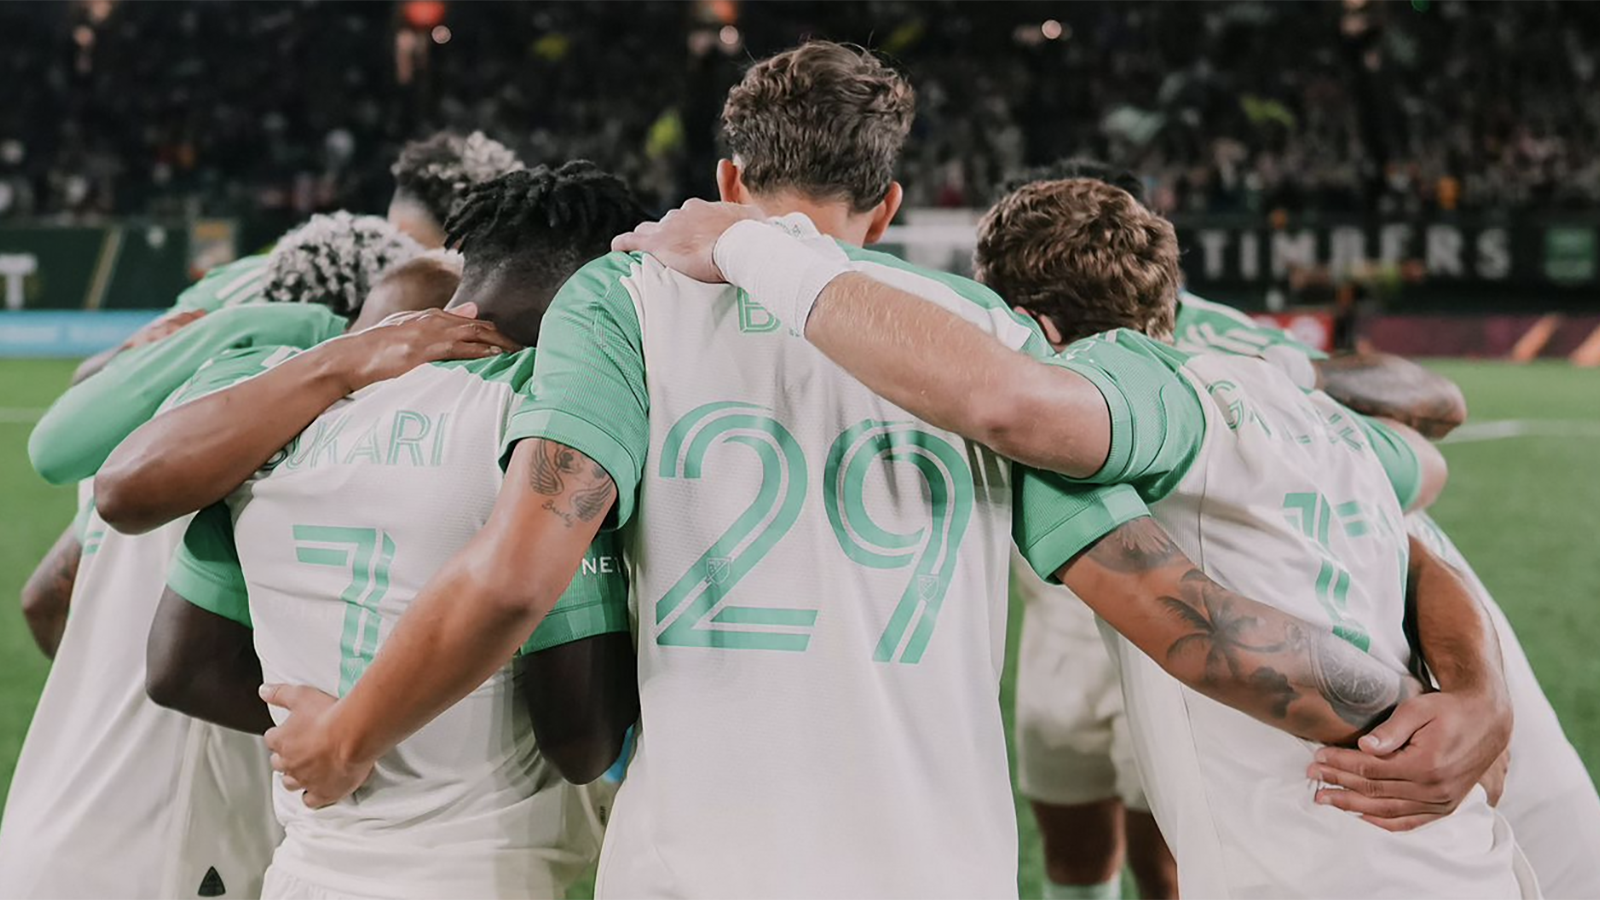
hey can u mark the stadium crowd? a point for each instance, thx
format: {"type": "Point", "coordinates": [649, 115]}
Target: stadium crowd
{"type": "Point", "coordinates": [132, 108]}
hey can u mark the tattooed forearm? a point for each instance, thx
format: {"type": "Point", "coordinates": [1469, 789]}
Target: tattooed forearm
{"type": "Point", "coordinates": [1361, 693]}
{"type": "Point", "coordinates": [1274, 666]}
{"type": "Point", "coordinates": [1139, 546]}
{"type": "Point", "coordinates": [1378, 384]}
{"type": "Point", "coordinates": [1281, 669]}
{"type": "Point", "coordinates": [48, 593]}
{"type": "Point", "coordinates": [579, 488]}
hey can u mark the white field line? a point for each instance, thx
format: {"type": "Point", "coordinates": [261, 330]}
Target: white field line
{"type": "Point", "coordinates": [19, 416]}
{"type": "Point", "coordinates": [1505, 429]}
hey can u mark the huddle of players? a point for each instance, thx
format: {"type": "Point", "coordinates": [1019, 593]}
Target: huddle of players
{"type": "Point", "coordinates": [816, 689]}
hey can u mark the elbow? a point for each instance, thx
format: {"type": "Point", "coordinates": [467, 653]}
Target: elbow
{"type": "Point", "coordinates": [45, 454]}
{"type": "Point", "coordinates": [118, 501]}
{"type": "Point", "coordinates": [166, 686]}
{"type": "Point", "coordinates": [136, 491]}
{"type": "Point", "coordinates": [583, 759]}
{"type": "Point", "coordinates": [1001, 420]}
{"type": "Point", "coordinates": [1448, 413]}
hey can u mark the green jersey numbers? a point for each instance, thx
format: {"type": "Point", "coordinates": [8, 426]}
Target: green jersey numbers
{"type": "Point", "coordinates": [929, 552]}
{"type": "Point", "coordinates": [686, 608]}
{"type": "Point", "coordinates": [367, 553]}
{"type": "Point", "coordinates": [693, 613]}
{"type": "Point", "coordinates": [1313, 516]}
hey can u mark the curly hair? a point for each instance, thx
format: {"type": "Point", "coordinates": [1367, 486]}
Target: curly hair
{"type": "Point", "coordinates": [550, 220]}
{"type": "Point", "coordinates": [334, 260]}
{"type": "Point", "coordinates": [1084, 254]}
{"type": "Point", "coordinates": [437, 172]}
{"type": "Point", "coordinates": [826, 120]}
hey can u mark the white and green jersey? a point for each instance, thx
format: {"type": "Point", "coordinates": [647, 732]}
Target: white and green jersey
{"type": "Point", "coordinates": [1291, 499]}
{"type": "Point", "coordinates": [114, 796]}
{"type": "Point", "coordinates": [321, 552]}
{"type": "Point", "coordinates": [86, 423]}
{"type": "Point", "coordinates": [230, 284]}
{"type": "Point", "coordinates": [820, 582]}
{"type": "Point", "coordinates": [1549, 800]}
{"type": "Point", "coordinates": [1206, 327]}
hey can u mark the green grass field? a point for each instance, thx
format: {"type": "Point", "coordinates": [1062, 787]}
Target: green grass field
{"type": "Point", "coordinates": [1523, 505]}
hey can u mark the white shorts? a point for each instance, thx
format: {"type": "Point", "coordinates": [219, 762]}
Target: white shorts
{"type": "Point", "coordinates": [1073, 745]}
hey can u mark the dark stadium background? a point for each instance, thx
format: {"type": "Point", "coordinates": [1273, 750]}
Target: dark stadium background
{"type": "Point", "coordinates": [1422, 177]}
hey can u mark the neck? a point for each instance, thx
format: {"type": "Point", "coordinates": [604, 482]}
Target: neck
{"type": "Point", "coordinates": [836, 220]}
{"type": "Point", "coordinates": [515, 306]}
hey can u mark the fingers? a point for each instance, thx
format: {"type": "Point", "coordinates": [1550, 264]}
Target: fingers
{"type": "Point", "coordinates": [275, 695]}
{"type": "Point", "coordinates": [290, 783]}
{"type": "Point", "coordinates": [1380, 788]}
{"type": "Point", "coordinates": [316, 800]}
{"type": "Point", "coordinates": [468, 310]}
{"type": "Point", "coordinates": [640, 238]}
{"type": "Point", "coordinates": [1380, 807]}
{"type": "Point", "coordinates": [1408, 718]}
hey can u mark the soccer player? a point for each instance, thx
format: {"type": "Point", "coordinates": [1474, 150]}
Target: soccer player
{"type": "Point", "coordinates": [433, 176]}
{"type": "Point", "coordinates": [1549, 798]}
{"type": "Point", "coordinates": [1203, 440]}
{"type": "Point", "coordinates": [113, 796]}
{"type": "Point", "coordinates": [332, 535]}
{"type": "Point", "coordinates": [318, 276]}
{"type": "Point", "coordinates": [818, 675]}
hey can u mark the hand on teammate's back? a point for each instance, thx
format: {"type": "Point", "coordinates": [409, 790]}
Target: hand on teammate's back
{"type": "Point", "coordinates": [406, 340]}
{"type": "Point", "coordinates": [1420, 764]}
{"type": "Point", "coordinates": [685, 239]}
{"type": "Point", "coordinates": [303, 749]}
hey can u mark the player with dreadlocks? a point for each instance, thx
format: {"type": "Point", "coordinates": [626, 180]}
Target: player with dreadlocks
{"type": "Point", "coordinates": [391, 480]}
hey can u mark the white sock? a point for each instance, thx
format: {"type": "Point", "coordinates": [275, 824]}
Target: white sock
{"type": "Point", "coordinates": [1110, 890]}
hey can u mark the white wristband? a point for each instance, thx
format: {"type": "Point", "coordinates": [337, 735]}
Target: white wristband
{"type": "Point", "coordinates": [776, 269]}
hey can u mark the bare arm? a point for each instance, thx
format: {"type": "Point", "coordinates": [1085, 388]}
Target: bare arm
{"type": "Point", "coordinates": [470, 619]}
{"type": "Point", "coordinates": [1284, 671]}
{"type": "Point", "coordinates": [1381, 384]}
{"type": "Point", "coordinates": [205, 666]}
{"type": "Point", "coordinates": [149, 334]}
{"type": "Point", "coordinates": [913, 353]}
{"type": "Point", "coordinates": [947, 372]}
{"type": "Point", "coordinates": [48, 594]}
{"type": "Point", "coordinates": [582, 698]}
{"type": "Point", "coordinates": [1420, 765]}
{"type": "Point", "coordinates": [195, 454]}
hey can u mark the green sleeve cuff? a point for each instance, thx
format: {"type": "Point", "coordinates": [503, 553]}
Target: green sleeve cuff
{"type": "Point", "coordinates": [1121, 453]}
{"type": "Point", "coordinates": [210, 589]}
{"type": "Point", "coordinates": [1084, 523]}
{"type": "Point", "coordinates": [588, 439]}
{"type": "Point", "coordinates": [1400, 462]}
